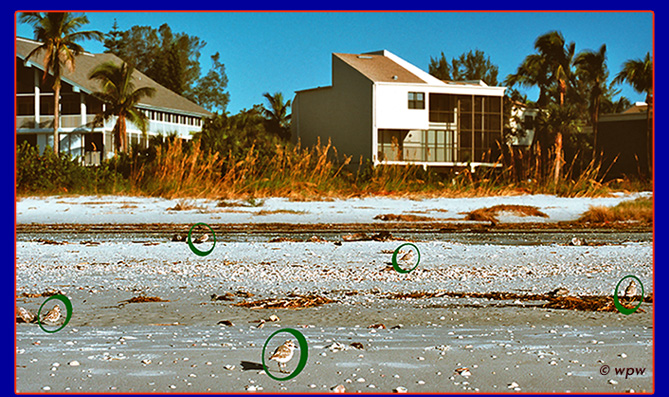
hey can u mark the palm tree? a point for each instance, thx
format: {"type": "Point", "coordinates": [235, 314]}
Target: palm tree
{"type": "Point", "coordinates": [591, 69]}
{"type": "Point", "coordinates": [639, 74]}
{"type": "Point", "coordinates": [277, 115]}
{"type": "Point", "coordinates": [58, 33]}
{"type": "Point", "coordinates": [550, 70]}
{"type": "Point", "coordinates": [121, 99]}
{"type": "Point", "coordinates": [608, 105]}
{"type": "Point", "coordinates": [532, 72]}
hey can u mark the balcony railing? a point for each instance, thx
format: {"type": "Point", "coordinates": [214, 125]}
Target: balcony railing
{"type": "Point", "coordinates": [67, 121]}
{"type": "Point", "coordinates": [183, 131]}
{"type": "Point", "coordinates": [28, 122]}
{"type": "Point", "coordinates": [73, 121]}
{"type": "Point", "coordinates": [70, 121]}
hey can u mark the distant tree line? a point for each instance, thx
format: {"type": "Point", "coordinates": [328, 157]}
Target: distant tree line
{"type": "Point", "coordinates": [173, 61]}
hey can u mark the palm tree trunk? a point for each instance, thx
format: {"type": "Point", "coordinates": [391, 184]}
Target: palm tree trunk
{"type": "Point", "coordinates": [649, 137]}
{"type": "Point", "coordinates": [558, 138]}
{"type": "Point", "coordinates": [56, 116]}
{"type": "Point", "coordinates": [122, 133]}
{"type": "Point", "coordinates": [595, 127]}
{"type": "Point", "coordinates": [594, 137]}
{"type": "Point", "coordinates": [558, 158]}
{"type": "Point", "coordinates": [538, 163]}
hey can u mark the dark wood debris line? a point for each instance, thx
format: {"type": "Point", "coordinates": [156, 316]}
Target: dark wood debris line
{"type": "Point", "coordinates": [583, 303]}
{"type": "Point", "coordinates": [396, 227]}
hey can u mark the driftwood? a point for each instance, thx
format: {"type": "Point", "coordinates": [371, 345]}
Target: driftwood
{"type": "Point", "coordinates": [142, 299]}
{"type": "Point", "coordinates": [404, 218]}
{"type": "Point", "coordinates": [292, 302]}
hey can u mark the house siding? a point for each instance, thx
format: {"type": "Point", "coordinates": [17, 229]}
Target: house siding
{"type": "Point", "coordinates": [393, 111]}
{"type": "Point", "coordinates": [342, 113]}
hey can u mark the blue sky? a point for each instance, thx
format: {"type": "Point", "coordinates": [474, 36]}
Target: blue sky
{"type": "Point", "coordinates": [277, 51]}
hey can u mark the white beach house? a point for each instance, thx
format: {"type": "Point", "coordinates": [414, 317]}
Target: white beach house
{"type": "Point", "coordinates": [167, 111]}
{"type": "Point", "coordinates": [382, 108]}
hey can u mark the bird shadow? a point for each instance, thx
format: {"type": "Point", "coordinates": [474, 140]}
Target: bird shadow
{"type": "Point", "coordinates": [250, 366]}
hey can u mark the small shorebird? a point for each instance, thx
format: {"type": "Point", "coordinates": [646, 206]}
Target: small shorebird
{"type": "Point", "coordinates": [201, 239]}
{"type": "Point", "coordinates": [561, 291]}
{"type": "Point", "coordinates": [283, 354]}
{"type": "Point", "coordinates": [407, 257]}
{"type": "Point", "coordinates": [25, 315]}
{"type": "Point", "coordinates": [630, 291]}
{"type": "Point", "coordinates": [53, 315]}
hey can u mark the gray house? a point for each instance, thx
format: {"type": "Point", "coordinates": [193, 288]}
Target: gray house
{"type": "Point", "coordinates": [382, 108]}
{"type": "Point", "coordinates": [167, 111]}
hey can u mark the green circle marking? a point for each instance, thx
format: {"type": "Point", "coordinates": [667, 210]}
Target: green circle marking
{"type": "Point", "coordinates": [303, 353]}
{"type": "Point", "coordinates": [616, 301]}
{"type": "Point", "coordinates": [68, 308]}
{"type": "Point", "coordinates": [192, 246]}
{"type": "Point", "coordinates": [397, 251]}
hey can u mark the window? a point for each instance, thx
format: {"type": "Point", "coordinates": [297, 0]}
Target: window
{"type": "Point", "coordinates": [416, 100]}
{"type": "Point", "coordinates": [529, 122]}
{"type": "Point", "coordinates": [46, 105]}
{"type": "Point", "coordinates": [443, 108]}
{"type": "Point", "coordinates": [70, 104]}
{"type": "Point", "coordinates": [25, 105]}
{"type": "Point", "coordinates": [390, 144]}
{"type": "Point", "coordinates": [25, 78]}
{"type": "Point", "coordinates": [93, 105]}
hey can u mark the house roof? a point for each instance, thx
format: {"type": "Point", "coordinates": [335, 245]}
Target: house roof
{"type": "Point", "coordinates": [639, 107]}
{"type": "Point", "coordinates": [379, 68]}
{"type": "Point", "coordinates": [480, 83]}
{"type": "Point", "coordinates": [163, 98]}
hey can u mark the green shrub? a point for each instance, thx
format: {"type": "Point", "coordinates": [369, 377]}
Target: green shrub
{"type": "Point", "coordinates": [48, 173]}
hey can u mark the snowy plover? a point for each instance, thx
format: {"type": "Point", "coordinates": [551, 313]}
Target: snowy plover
{"type": "Point", "coordinates": [201, 239]}
{"type": "Point", "coordinates": [630, 291]}
{"type": "Point", "coordinates": [53, 315]}
{"type": "Point", "coordinates": [407, 257]}
{"type": "Point", "coordinates": [561, 291]}
{"type": "Point", "coordinates": [283, 354]}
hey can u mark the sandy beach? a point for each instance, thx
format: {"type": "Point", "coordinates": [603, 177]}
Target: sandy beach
{"type": "Point", "coordinates": [440, 344]}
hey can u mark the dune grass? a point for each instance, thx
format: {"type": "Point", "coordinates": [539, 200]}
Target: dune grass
{"type": "Point", "coordinates": [638, 210]}
{"type": "Point", "coordinates": [179, 169]}
{"type": "Point", "coordinates": [318, 173]}
{"type": "Point", "coordinates": [490, 214]}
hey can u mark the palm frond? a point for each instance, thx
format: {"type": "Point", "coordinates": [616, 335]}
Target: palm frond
{"type": "Point", "coordinates": [138, 118]}
{"type": "Point", "coordinates": [30, 17]}
{"type": "Point", "coordinates": [140, 93]}
{"type": "Point", "coordinates": [120, 96]}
